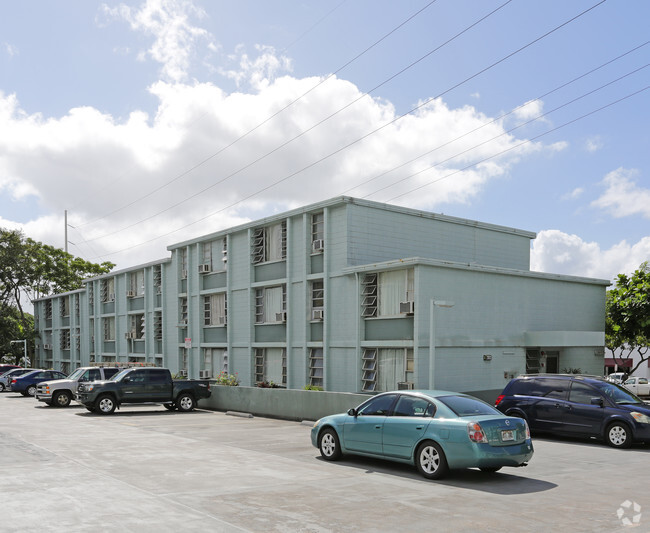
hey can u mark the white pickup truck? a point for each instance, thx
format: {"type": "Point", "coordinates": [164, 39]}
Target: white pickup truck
{"type": "Point", "coordinates": [60, 392]}
{"type": "Point", "coordinates": [638, 386]}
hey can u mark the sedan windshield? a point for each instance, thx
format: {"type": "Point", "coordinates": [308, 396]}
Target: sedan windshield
{"type": "Point", "coordinates": [617, 394]}
{"type": "Point", "coordinates": [465, 406]}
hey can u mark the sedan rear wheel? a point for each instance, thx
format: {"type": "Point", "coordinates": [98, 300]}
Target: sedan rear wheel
{"type": "Point", "coordinates": [328, 444]}
{"type": "Point", "coordinates": [430, 460]}
{"type": "Point", "coordinates": [618, 435]}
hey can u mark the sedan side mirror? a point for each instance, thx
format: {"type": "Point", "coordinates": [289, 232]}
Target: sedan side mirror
{"type": "Point", "coordinates": [597, 401]}
{"type": "Point", "coordinates": [352, 412]}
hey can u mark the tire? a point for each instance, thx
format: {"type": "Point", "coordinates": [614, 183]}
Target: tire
{"type": "Point", "coordinates": [329, 445]}
{"type": "Point", "coordinates": [185, 403]}
{"type": "Point", "coordinates": [618, 435]}
{"type": "Point", "coordinates": [169, 406]}
{"type": "Point", "coordinates": [105, 404]}
{"type": "Point", "coordinates": [430, 460]}
{"type": "Point", "coordinates": [62, 399]}
{"type": "Point", "coordinates": [2, 387]}
{"type": "Point", "coordinates": [490, 469]}
{"type": "Point", "coordinates": [31, 390]}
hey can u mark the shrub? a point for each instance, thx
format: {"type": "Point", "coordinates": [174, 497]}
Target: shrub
{"type": "Point", "coordinates": [312, 387]}
{"type": "Point", "coordinates": [230, 380]}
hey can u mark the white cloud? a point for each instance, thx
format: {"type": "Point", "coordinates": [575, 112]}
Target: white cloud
{"type": "Point", "coordinates": [529, 110]}
{"type": "Point", "coordinates": [258, 71]}
{"type": "Point", "coordinates": [175, 37]}
{"type": "Point", "coordinates": [10, 49]}
{"type": "Point", "coordinates": [560, 253]}
{"type": "Point", "coordinates": [574, 194]}
{"type": "Point", "coordinates": [594, 144]}
{"type": "Point", "coordinates": [623, 197]}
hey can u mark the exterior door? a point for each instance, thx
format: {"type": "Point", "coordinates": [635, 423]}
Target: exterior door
{"type": "Point", "coordinates": [159, 387]}
{"type": "Point", "coordinates": [363, 433]}
{"type": "Point", "coordinates": [549, 408]}
{"type": "Point", "coordinates": [134, 386]}
{"type": "Point", "coordinates": [408, 422]}
{"type": "Point", "coordinates": [581, 417]}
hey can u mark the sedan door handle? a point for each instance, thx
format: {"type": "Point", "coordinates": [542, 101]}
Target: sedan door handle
{"type": "Point", "coordinates": [419, 427]}
{"type": "Point", "coordinates": [377, 427]}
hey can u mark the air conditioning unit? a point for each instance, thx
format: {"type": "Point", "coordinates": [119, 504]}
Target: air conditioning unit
{"type": "Point", "coordinates": [47, 346]}
{"type": "Point", "coordinates": [222, 320]}
{"type": "Point", "coordinates": [204, 268]}
{"type": "Point", "coordinates": [130, 294]}
{"type": "Point", "coordinates": [317, 314]}
{"type": "Point", "coordinates": [405, 385]}
{"type": "Point", "coordinates": [183, 373]}
{"type": "Point", "coordinates": [183, 322]}
{"type": "Point", "coordinates": [407, 308]}
{"type": "Point", "coordinates": [183, 274]}
{"type": "Point", "coordinates": [317, 245]}
{"type": "Point", "coordinates": [130, 335]}
{"type": "Point", "coordinates": [204, 374]}
{"type": "Point", "coordinates": [111, 297]}
{"type": "Point", "coordinates": [281, 317]}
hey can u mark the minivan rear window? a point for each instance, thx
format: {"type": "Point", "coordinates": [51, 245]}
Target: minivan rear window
{"type": "Point", "coordinates": [547, 388]}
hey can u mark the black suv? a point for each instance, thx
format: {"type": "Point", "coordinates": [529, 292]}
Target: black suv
{"type": "Point", "coordinates": [581, 406]}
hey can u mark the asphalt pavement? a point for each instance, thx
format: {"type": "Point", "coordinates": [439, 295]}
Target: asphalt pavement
{"type": "Point", "coordinates": [145, 469]}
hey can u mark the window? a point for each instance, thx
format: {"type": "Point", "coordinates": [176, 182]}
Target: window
{"type": "Point", "coordinates": [65, 339]}
{"type": "Point", "coordinates": [48, 310]}
{"type": "Point", "coordinates": [466, 406]}
{"type": "Point", "coordinates": [269, 243]}
{"type": "Point", "coordinates": [317, 232]}
{"type": "Point", "coordinates": [383, 368]}
{"type": "Point", "coordinates": [77, 308]}
{"type": "Point", "coordinates": [77, 339]}
{"type": "Point", "coordinates": [136, 326]}
{"type": "Point", "coordinates": [271, 365]}
{"type": "Point", "coordinates": [581, 393]}
{"type": "Point", "coordinates": [549, 388]}
{"type": "Point", "coordinates": [157, 279]}
{"type": "Point", "coordinates": [316, 367]}
{"type": "Point", "coordinates": [317, 299]}
{"type": "Point", "coordinates": [136, 283]}
{"type": "Point", "coordinates": [183, 310]}
{"type": "Point", "coordinates": [270, 304]}
{"type": "Point", "coordinates": [108, 290]}
{"type": "Point", "coordinates": [183, 262]}
{"type": "Point", "coordinates": [388, 293]}
{"type": "Point", "coordinates": [215, 359]}
{"type": "Point", "coordinates": [64, 303]}
{"type": "Point", "coordinates": [91, 295]}
{"type": "Point", "coordinates": [214, 310]}
{"type": "Point", "coordinates": [378, 406]}
{"type": "Point", "coordinates": [412, 406]}
{"type": "Point", "coordinates": [157, 325]}
{"type": "Point", "coordinates": [206, 255]}
{"type": "Point", "coordinates": [109, 328]}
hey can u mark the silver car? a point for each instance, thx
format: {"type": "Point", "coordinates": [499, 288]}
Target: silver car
{"type": "Point", "coordinates": [6, 378]}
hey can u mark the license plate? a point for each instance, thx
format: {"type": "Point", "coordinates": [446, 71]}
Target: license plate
{"type": "Point", "coordinates": [507, 434]}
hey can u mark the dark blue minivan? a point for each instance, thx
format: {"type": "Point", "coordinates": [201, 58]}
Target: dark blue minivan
{"type": "Point", "coordinates": [580, 406]}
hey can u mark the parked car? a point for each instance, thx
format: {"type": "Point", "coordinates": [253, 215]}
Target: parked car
{"type": "Point", "coordinates": [5, 379]}
{"type": "Point", "coordinates": [26, 384]}
{"type": "Point", "coordinates": [638, 386]}
{"type": "Point", "coordinates": [6, 368]}
{"type": "Point", "coordinates": [617, 377]}
{"type": "Point", "coordinates": [142, 385]}
{"type": "Point", "coordinates": [581, 406]}
{"type": "Point", "coordinates": [435, 430]}
{"type": "Point", "coordinates": [60, 392]}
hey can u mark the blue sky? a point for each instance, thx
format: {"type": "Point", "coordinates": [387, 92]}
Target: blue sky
{"type": "Point", "coordinates": [156, 121]}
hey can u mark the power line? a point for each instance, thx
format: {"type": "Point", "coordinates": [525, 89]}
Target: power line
{"type": "Point", "coordinates": [255, 128]}
{"type": "Point", "coordinates": [427, 101]}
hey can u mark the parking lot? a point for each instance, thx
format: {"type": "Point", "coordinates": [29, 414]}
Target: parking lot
{"type": "Point", "coordinates": [146, 469]}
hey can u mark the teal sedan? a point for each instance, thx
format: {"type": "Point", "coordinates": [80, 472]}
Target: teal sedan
{"type": "Point", "coordinates": [435, 430]}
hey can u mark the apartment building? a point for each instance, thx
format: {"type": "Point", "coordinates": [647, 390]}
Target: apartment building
{"type": "Point", "coordinates": [346, 294]}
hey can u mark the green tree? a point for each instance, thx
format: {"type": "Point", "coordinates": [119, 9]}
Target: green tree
{"type": "Point", "coordinates": [627, 326]}
{"type": "Point", "coordinates": [30, 269]}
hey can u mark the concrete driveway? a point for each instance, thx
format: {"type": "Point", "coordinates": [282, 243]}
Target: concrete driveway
{"type": "Point", "coordinates": [145, 469]}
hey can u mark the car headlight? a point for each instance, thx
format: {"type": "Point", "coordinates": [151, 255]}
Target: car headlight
{"type": "Point", "coordinates": [640, 417]}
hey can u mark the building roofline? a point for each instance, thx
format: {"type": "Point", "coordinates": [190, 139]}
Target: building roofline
{"type": "Point", "coordinates": [341, 200]}
{"type": "Point", "coordinates": [473, 267]}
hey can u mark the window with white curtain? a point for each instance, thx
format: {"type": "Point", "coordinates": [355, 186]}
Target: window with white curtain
{"type": "Point", "coordinates": [214, 309]}
{"type": "Point", "coordinates": [136, 283]}
{"type": "Point", "coordinates": [393, 287]}
{"type": "Point", "coordinates": [384, 368]}
{"type": "Point", "coordinates": [270, 304]}
{"type": "Point", "coordinates": [269, 243]}
{"type": "Point", "coordinates": [109, 328]}
{"type": "Point", "coordinates": [271, 365]}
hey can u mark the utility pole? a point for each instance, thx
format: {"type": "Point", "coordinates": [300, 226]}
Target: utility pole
{"type": "Point", "coordinates": [65, 221]}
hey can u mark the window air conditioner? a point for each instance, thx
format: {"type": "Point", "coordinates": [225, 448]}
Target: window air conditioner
{"type": "Point", "coordinates": [204, 374]}
{"type": "Point", "coordinates": [405, 385]}
{"type": "Point", "coordinates": [183, 274]}
{"type": "Point", "coordinates": [281, 317]}
{"type": "Point", "coordinates": [317, 314]}
{"type": "Point", "coordinates": [111, 297]}
{"type": "Point", "coordinates": [407, 308]}
{"type": "Point", "coordinates": [183, 373]}
{"type": "Point", "coordinates": [130, 294]}
{"type": "Point", "coordinates": [130, 335]}
{"type": "Point", "coordinates": [204, 268]}
{"type": "Point", "coordinates": [317, 245]}
{"type": "Point", "coordinates": [47, 346]}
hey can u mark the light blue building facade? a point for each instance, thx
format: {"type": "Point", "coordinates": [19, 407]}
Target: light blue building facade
{"type": "Point", "coordinates": [345, 294]}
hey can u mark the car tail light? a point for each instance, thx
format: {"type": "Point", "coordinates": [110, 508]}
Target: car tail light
{"type": "Point", "coordinates": [498, 400]}
{"type": "Point", "coordinates": [527, 430]}
{"type": "Point", "coordinates": [475, 432]}
{"type": "Point", "coordinates": [13, 381]}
